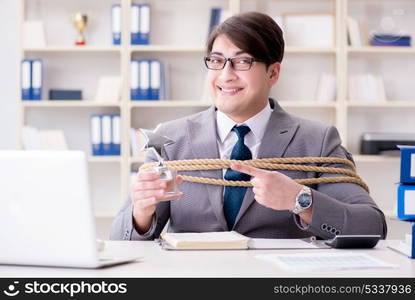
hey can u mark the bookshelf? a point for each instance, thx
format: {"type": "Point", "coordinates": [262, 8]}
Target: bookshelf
{"type": "Point", "coordinates": [69, 66]}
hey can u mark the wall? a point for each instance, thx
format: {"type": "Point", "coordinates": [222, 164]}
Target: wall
{"type": "Point", "coordinates": [8, 73]}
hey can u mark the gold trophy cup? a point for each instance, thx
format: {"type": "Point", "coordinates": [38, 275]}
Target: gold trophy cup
{"type": "Point", "coordinates": [80, 22]}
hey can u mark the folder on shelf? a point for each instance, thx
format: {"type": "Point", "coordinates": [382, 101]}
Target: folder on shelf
{"type": "Point", "coordinates": [106, 134]}
{"type": "Point", "coordinates": [135, 24]}
{"type": "Point", "coordinates": [144, 27]}
{"type": "Point", "coordinates": [96, 135]}
{"type": "Point", "coordinates": [116, 24]}
{"type": "Point", "coordinates": [26, 74]}
{"type": "Point", "coordinates": [135, 65]}
{"type": "Point", "coordinates": [155, 79]}
{"type": "Point", "coordinates": [115, 135]}
{"type": "Point", "coordinates": [144, 80]}
{"type": "Point", "coordinates": [214, 18]}
{"type": "Point", "coordinates": [36, 79]}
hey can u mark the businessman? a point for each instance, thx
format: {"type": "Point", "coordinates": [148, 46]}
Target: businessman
{"type": "Point", "coordinates": [244, 56]}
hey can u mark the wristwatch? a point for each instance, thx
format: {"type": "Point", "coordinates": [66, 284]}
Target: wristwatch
{"type": "Point", "coordinates": [303, 200]}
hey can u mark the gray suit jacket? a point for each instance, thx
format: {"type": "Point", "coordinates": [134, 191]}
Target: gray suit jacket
{"type": "Point", "coordinates": [338, 208]}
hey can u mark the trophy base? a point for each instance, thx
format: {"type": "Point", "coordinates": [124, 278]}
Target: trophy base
{"type": "Point", "coordinates": [80, 43]}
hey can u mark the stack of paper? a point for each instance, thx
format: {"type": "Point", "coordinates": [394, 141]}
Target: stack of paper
{"type": "Point", "coordinates": [322, 261]}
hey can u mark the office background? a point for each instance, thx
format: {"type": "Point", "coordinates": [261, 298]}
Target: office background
{"type": "Point", "coordinates": [182, 53]}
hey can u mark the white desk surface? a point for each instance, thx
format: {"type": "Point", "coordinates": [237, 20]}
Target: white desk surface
{"type": "Point", "coordinates": [156, 262]}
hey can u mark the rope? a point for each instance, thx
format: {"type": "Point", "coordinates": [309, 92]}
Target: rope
{"type": "Point", "coordinates": [291, 163]}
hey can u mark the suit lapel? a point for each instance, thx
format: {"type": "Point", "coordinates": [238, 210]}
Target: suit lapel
{"type": "Point", "coordinates": [280, 130]}
{"type": "Point", "coordinates": [203, 141]}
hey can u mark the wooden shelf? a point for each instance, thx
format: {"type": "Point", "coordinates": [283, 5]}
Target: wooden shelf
{"type": "Point", "coordinates": [168, 48]}
{"type": "Point", "coordinates": [382, 49]}
{"type": "Point", "coordinates": [169, 103]}
{"type": "Point", "coordinates": [306, 104]}
{"type": "Point", "coordinates": [75, 49]}
{"type": "Point", "coordinates": [137, 160]}
{"type": "Point", "coordinates": [397, 104]}
{"type": "Point", "coordinates": [67, 103]}
{"type": "Point", "coordinates": [104, 159]}
{"type": "Point", "coordinates": [312, 50]}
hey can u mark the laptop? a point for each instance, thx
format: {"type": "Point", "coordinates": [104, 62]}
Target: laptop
{"type": "Point", "coordinates": [46, 215]}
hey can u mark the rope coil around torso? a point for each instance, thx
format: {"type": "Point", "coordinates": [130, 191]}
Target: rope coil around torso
{"type": "Point", "coordinates": [290, 163]}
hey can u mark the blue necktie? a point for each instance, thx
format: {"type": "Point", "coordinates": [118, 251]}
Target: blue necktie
{"type": "Point", "coordinates": [234, 195]}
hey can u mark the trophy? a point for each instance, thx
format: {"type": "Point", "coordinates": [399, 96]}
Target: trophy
{"type": "Point", "coordinates": [80, 22]}
{"type": "Point", "coordinates": [155, 143]}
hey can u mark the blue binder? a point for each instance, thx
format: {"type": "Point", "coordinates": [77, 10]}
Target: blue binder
{"type": "Point", "coordinates": [96, 135]}
{"type": "Point", "coordinates": [37, 79]}
{"type": "Point", "coordinates": [144, 80]}
{"type": "Point", "coordinates": [155, 79]}
{"type": "Point", "coordinates": [135, 24]}
{"type": "Point", "coordinates": [115, 135]}
{"type": "Point", "coordinates": [26, 79]}
{"type": "Point", "coordinates": [144, 27]}
{"type": "Point", "coordinates": [134, 79]}
{"type": "Point", "coordinates": [106, 134]}
{"type": "Point", "coordinates": [116, 24]}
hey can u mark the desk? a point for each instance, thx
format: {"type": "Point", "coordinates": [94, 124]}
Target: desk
{"type": "Point", "coordinates": [230, 263]}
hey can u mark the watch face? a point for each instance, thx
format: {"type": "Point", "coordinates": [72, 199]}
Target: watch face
{"type": "Point", "coordinates": [304, 200]}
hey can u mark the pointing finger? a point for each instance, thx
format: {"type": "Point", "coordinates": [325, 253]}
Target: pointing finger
{"type": "Point", "coordinates": [247, 169]}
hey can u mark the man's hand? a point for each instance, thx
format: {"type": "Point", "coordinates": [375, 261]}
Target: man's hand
{"type": "Point", "coordinates": [271, 188]}
{"type": "Point", "coordinates": [146, 192]}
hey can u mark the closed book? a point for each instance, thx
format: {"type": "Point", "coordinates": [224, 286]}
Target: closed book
{"type": "Point", "coordinates": [205, 240]}
{"type": "Point", "coordinates": [65, 94]}
{"type": "Point", "coordinates": [116, 24]}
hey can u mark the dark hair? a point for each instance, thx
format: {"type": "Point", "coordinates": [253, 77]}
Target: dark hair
{"type": "Point", "coordinates": [253, 32]}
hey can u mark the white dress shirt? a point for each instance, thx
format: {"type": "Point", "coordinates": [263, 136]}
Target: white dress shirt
{"type": "Point", "coordinates": [227, 138]}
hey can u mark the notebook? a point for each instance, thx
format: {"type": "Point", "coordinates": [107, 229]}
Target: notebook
{"type": "Point", "coordinates": [228, 240]}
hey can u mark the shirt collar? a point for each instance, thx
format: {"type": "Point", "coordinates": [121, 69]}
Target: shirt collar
{"type": "Point", "coordinates": [257, 123]}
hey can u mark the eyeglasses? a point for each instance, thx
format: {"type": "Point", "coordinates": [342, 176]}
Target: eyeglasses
{"type": "Point", "coordinates": [238, 63]}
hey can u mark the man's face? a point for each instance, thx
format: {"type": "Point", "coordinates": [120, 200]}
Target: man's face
{"type": "Point", "coordinates": [240, 94]}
